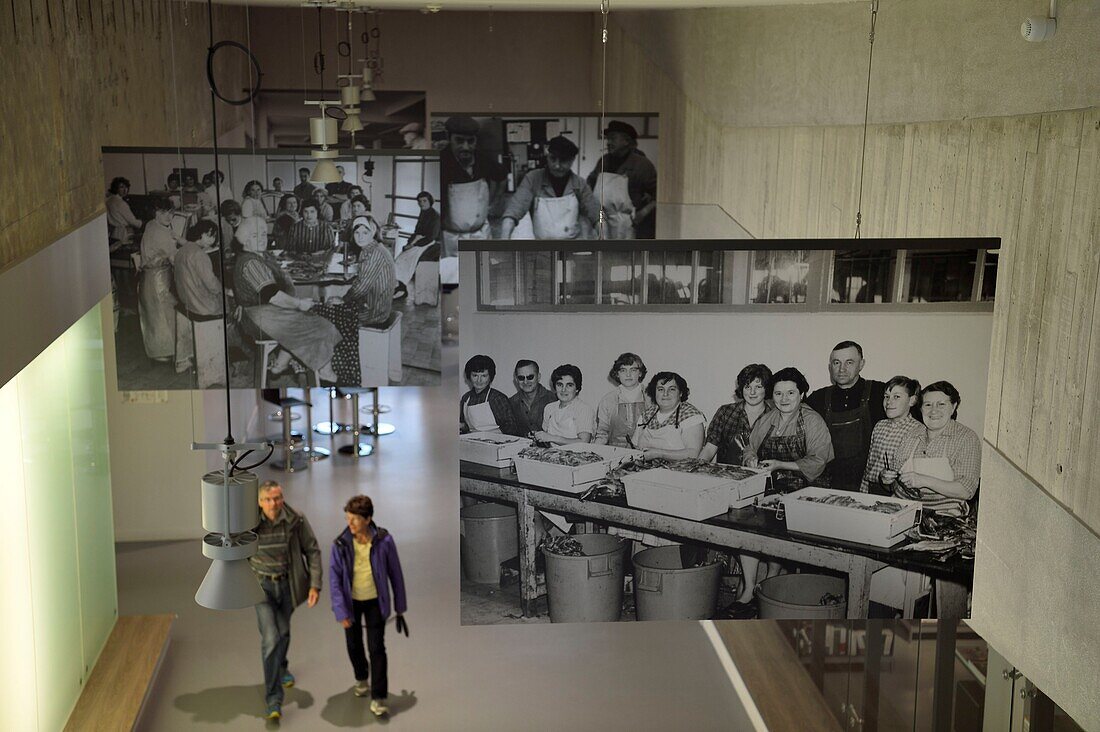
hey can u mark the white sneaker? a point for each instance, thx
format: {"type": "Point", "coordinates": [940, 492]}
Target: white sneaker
{"type": "Point", "coordinates": [378, 707]}
{"type": "Point", "coordinates": [362, 688]}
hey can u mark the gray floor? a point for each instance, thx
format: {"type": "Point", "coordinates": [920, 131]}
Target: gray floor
{"type": "Point", "coordinates": [617, 676]}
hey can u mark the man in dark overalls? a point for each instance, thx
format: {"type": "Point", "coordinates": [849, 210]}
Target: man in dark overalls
{"type": "Point", "coordinates": [851, 407]}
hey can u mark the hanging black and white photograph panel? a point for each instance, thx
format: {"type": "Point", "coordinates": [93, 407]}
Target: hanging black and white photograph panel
{"type": "Point", "coordinates": [698, 429]}
{"type": "Point", "coordinates": [523, 176]}
{"type": "Point", "coordinates": [330, 273]}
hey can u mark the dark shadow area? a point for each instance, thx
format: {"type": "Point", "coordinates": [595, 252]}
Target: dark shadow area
{"type": "Point", "coordinates": [348, 710]}
{"type": "Point", "coordinates": [223, 704]}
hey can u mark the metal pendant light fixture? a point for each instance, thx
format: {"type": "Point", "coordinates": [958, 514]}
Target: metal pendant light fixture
{"type": "Point", "coordinates": [323, 130]}
{"type": "Point", "coordinates": [350, 92]}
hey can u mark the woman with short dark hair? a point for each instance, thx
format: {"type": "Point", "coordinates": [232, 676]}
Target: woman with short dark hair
{"type": "Point", "coordinates": [672, 427]}
{"type": "Point", "coordinates": [568, 420]}
{"type": "Point", "coordinates": [251, 202]}
{"type": "Point", "coordinates": [423, 245]}
{"type": "Point", "coordinates": [792, 442]}
{"type": "Point", "coordinates": [620, 410]}
{"type": "Point", "coordinates": [365, 567]}
{"type": "Point", "coordinates": [728, 433]}
{"type": "Point", "coordinates": [483, 408]}
{"type": "Point", "coordinates": [121, 222]}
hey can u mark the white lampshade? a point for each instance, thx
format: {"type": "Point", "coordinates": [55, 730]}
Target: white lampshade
{"type": "Point", "coordinates": [366, 95]}
{"type": "Point", "coordinates": [349, 96]}
{"type": "Point", "coordinates": [323, 131]}
{"type": "Point", "coordinates": [353, 123]}
{"type": "Point", "coordinates": [325, 172]}
{"type": "Point", "coordinates": [229, 585]}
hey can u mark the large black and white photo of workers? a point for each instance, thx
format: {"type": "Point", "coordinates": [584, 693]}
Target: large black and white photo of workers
{"type": "Point", "coordinates": [325, 284]}
{"type": "Point", "coordinates": [545, 177]}
{"type": "Point", "coordinates": [722, 429]}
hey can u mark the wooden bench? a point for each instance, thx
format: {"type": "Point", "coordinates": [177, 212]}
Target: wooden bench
{"type": "Point", "coordinates": [122, 677]}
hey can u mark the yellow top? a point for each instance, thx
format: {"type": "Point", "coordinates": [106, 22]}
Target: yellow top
{"type": "Point", "coordinates": [362, 578]}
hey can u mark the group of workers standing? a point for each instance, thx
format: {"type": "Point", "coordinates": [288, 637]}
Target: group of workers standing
{"type": "Point", "coordinates": [560, 203]}
{"type": "Point", "coordinates": [888, 438]}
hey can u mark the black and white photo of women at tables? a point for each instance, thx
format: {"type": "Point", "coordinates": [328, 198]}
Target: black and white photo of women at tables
{"type": "Point", "coordinates": [546, 177]}
{"type": "Point", "coordinates": [331, 283]}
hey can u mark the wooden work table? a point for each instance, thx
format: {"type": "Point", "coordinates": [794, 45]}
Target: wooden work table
{"type": "Point", "coordinates": [740, 529]}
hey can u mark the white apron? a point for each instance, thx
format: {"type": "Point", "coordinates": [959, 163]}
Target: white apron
{"type": "Point", "coordinates": [556, 218]}
{"type": "Point", "coordinates": [479, 418]}
{"type": "Point", "coordinates": [613, 193]}
{"type": "Point", "coordinates": [669, 437]}
{"type": "Point", "coordinates": [896, 587]}
{"type": "Point", "coordinates": [467, 207]}
{"type": "Point", "coordinates": [405, 263]}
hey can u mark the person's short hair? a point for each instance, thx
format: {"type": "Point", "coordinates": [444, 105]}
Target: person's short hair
{"type": "Point", "coordinates": [162, 203]}
{"type": "Point", "coordinates": [749, 374]}
{"type": "Point", "coordinates": [287, 197]}
{"type": "Point", "coordinates": [427, 195]}
{"type": "Point", "coordinates": [216, 174]}
{"type": "Point", "coordinates": [360, 506]}
{"type": "Point", "coordinates": [523, 362]}
{"type": "Point", "coordinates": [626, 359]}
{"type": "Point", "coordinates": [309, 203]}
{"type": "Point", "coordinates": [268, 485]}
{"type": "Point", "coordinates": [661, 377]}
{"type": "Point", "coordinates": [911, 386]}
{"type": "Point", "coordinates": [320, 192]}
{"type": "Point", "coordinates": [947, 388]}
{"type": "Point", "coordinates": [173, 177]}
{"type": "Point", "coordinates": [230, 208]}
{"type": "Point", "coordinates": [566, 369]}
{"type": "Point", "coordinates": [251, 183]}
{"type": "Point", "coordinates": [355, 187]}
{"type": "Point", "coordinates": [208, 178]}
{"type": "Point", "coordinates": [848, 344]}
{"type": "Point", "coordinates": [789, 374]}
{"type": "Point", "coordinates": [480, 362]}
{"type": "Point", "coordinates": [276, 179]}
{"type": "Point", "coordinates": [361, 199]}
{"type": "Point", "coordinates": [118, 181]}
{"type": "Point", "coordinates": [197, 230]}
{"type": "Point", "coordinates": [303, 170]}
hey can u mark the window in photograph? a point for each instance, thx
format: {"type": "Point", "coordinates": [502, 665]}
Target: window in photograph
{"type": "Point", "coordinates": [711, 274]}
{"type": "Point", "coordinates": [578, 278]}
{"type": "Point", "coordinates": [935, 275]}
{"type": "Point", "coordinates": [669, 277]}
{"type": "Point", "coordinates": [989, 273]}
{"type": "Point", "coordinates": [498, 278]}
{"type": "Point", "coordinates": [863, 276]}
{"type": "Point", "coordinates": [535, 278]}
{"type": "Point", "coordinates": [779, 277]}
{"type": "Point", "coordinates": [620, 278]}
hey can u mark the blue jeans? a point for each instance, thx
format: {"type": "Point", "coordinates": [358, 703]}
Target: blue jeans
{"type": "Point", "coordinates": [273, 617]}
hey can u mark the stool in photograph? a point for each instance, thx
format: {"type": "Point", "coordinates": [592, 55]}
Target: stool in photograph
{"type": "Point", "coordinates": [380, 352]}
{"type": "Point", "coordinates": [201, 338]}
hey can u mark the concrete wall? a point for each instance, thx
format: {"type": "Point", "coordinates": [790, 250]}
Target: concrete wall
{"type": "Point", "coordinates": [933, 60]}
{"type": "Point", "coordinates": [788, 165]}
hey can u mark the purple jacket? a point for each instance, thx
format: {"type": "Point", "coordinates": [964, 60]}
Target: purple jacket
{"type": "Point", "coordinates": [384, 566]}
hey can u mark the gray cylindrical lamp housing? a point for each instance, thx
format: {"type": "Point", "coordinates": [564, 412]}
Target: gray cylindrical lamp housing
{"type": "Point", "coordinates": [244, 510]}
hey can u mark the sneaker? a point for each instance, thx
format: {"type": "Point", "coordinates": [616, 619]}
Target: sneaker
{"type": "Point", "coordinates": [362, 688]}
{"type": "Point", "coordinates": [288, 680]}
{"type": "Point", "coordinates": [378, 707]}
{"type": "Point", "coordinates": [274, 712]}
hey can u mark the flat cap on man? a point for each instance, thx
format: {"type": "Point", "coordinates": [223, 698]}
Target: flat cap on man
{"type": "Point", "coordinates": [562, 148]}
{"type": "Point", "coordinates": [462, 125]}
{"type": "Point", "coordinates": [623, 127]}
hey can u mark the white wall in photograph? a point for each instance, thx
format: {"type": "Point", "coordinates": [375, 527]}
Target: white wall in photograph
{"type": "Point", "coordinates": [708, 349]}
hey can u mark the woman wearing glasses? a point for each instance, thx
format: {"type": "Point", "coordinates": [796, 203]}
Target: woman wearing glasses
{"type": "Point", "coordinates": [620, 410]}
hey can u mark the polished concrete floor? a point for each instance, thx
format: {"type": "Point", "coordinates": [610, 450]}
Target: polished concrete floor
{"type": "Point", "coordinates": [615, 676]}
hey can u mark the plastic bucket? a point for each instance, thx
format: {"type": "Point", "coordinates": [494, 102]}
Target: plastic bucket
{"type": "Point", "coordinates": [798, 596]}
{"type": "Point", "coordinates": [489, 536]}
{"type": "Point", "coordinates": [665, 590]}
{"type": "Point", "coordinates": [589, 588]}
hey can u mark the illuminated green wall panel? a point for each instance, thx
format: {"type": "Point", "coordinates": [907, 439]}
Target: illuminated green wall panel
{"type": "Point", "coordinates": [60, 597]}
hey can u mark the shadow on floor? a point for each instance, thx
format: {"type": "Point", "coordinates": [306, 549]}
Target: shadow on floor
{"type": "Point", "coordinates": [348, 710]}
{"type": "Point", "coordinates": [222, 704]}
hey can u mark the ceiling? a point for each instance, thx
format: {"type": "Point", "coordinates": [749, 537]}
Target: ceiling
{"type": "Point", "coordinates": [515, 5]}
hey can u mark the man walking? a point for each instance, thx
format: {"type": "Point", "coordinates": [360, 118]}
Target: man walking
{"type": "Point", "coordinates": [288, 566]}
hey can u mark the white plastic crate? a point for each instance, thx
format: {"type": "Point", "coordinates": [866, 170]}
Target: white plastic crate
{"type": "Point", "coordinates": [570, 479]}
{"type": "Point", "coordinates": [490, 448]}
{"type": "Point", "coordinates": [849, 523]}
{"type": "Point", "coordinates": [694, 496]}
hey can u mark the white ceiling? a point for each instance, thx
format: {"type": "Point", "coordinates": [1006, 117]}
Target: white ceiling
{"type": "Point", "coordinates": [513, 5]}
